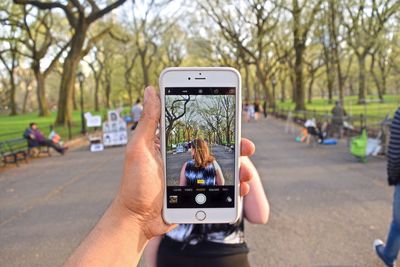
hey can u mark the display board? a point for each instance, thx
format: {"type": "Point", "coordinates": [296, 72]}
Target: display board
{"type": "Point", "coordinates": [114, 130]}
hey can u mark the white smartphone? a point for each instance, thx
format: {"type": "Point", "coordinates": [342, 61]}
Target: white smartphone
{"type": "Point", "coordinates": [200, 144]}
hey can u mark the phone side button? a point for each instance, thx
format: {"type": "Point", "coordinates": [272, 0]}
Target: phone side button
{"type": "Point", "coordinates": [200, 215]}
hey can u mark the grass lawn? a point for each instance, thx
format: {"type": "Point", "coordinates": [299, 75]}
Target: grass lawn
{"type": "Point", "coordinates": [18, 124]}
{"type": "Point", "coordinates": [374, 110]}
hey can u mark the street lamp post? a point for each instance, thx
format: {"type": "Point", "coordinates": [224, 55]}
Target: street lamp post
{"type": "Point", "coordinates": [81, 79]}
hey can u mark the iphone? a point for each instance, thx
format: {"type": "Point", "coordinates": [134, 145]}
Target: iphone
{"type": "Point", "coordinates": [200, 144]}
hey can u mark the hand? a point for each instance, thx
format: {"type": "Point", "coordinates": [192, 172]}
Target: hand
{"type": "Point", "coordinates": [142, 186]}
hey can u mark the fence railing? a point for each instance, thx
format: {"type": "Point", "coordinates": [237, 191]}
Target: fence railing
{"type": "Point", "coordinates": [373, 123]}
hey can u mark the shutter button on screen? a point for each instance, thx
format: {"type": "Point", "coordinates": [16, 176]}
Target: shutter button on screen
{"type": "Point", "coordinates": [200, 215]}
{"type": "Point", "coordinates": [200, 199]}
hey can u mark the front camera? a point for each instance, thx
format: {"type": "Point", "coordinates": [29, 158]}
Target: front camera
{"type": "Point", "coordinates": [189, 78]}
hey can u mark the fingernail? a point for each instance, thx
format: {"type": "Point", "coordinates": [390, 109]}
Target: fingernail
{"type": "Point", "coordinates": [146, 93]}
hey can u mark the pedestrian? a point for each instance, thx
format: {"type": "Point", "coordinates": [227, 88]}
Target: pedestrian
{"type": "Point", "coordinates": [265, 108]}
{"type": "Point", "coordinates": [257, 109]}
{"type": "Point", "coordinates": [136, 113]}
{"type": "Point", "coordinates": [251, 112]}
{"type": "Point", "coordinates": [388, 252]}
{"type": "Point", "coordinates": [202, 169]}
{"type": "Point", "coordinates": [246, 115]}
{"type": "Point", "coordinates": [338, 114]}
{"type": "Point", "coordinates": [134, 216]}
{"type": "Point", "coordinates": [36, 138]}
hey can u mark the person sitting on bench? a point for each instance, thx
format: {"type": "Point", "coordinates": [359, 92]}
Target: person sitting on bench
{"type": "Point", "coordinates": [36, 138]}
{"type": "Point", "coordinates": [313, 130]}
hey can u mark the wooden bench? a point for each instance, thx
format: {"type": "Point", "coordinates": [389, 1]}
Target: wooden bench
{"type": "Point", "coordinates": [14, 150]}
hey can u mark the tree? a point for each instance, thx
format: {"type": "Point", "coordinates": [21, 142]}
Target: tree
{"type": "Point", "coordinates": [97, 67]}
{"type": "Point", "coordinates": [10, 51]}
{"type": "Point", "coordinates": [129, 64]}
{"type": "Point", "coordinates": [146, 29]}
{"type": "Point", "coordinates": [381, 63]}
{"type": "Point", "coordinates": [249, 28]}
{"type": "Point", "coordinates": [313, 63]}
{"type": "Point", "coordinates": [334, 24]}
{"type": "Point", "coordinates": [175, 109]}
{"type": "Point", "coordinates": [80, 21]}
{"type": "Point", "coordinates": [300, 29]}
{"type": "Point", "coordinates": [39, 40]}
{"type": "Point", "coordinates": [365, 22]}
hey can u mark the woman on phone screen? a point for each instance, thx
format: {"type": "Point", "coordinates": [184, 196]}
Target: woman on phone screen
{"type": "Point", "coordinates": [202, 169]}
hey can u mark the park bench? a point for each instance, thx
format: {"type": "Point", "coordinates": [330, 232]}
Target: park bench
{"type": "Point", "coordinates": [14, 150]}
{"type": "Point", "coordinates": [35, 151]}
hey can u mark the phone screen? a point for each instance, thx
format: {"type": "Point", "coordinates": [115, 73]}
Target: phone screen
{"type": "Point", "coordinates": [200, 146]}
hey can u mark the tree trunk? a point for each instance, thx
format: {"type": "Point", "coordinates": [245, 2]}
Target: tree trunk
{"type": "Point", "coordinates": [96, 95]}
{"type": "Point", "coordinates": [145, 71]}
{"type": "Point", "coordinates": [293, 84]}
{"type": "Point", "coordinates": [330, 80]}
{"type": "Point", "coordinates": [13, 104]}
{"type": "Point", "coordinates": [74, 103]}
{"type": "Point", "coordinates": [310, 86]}
{"type": "Point", "coordinates": [361, 78]}
{"type": "Point", "coordinates": [383, 92]}
{"type": "Point", "coordinates": [25, 99]}
{"type": "Point", "coordinates": [335, 51]}
{"type": "Point", "coordinates": [262, 78]}
{"type": "Point", "coordinates": [340, 78]}
{"type": "Point", "coordinates": [283, 93]}
{"type": "Point", "coordinates": [247, 82]}
{"type": "Point", "coordinates": [71, 62]}
{"type": "Point", "coordinates": [108, 93]}
{"type": "Point", "coordinates": [300, 104]}
{"type": "Point", "coordinates": [41, 95]}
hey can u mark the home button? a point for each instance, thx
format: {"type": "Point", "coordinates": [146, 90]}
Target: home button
{"type": "Point", "coordinates": [200, 215]}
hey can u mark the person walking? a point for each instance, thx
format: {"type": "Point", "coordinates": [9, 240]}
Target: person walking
{"type": "Point", "coordinates": [338, 114]}
{"type": "Point", "coordinates": [257, 109]}
{"type": "Point", "coordinates": [265, 107]}
{"type": "Point", "coordinates": [136, 112]}
{"type": "Point", "coordinates": [388, 252]}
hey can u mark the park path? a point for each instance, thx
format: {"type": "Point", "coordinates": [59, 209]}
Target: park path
{"type": "Point", "coordinates": [326, 208]}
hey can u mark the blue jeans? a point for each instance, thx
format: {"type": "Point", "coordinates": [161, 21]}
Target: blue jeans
{"type": "Point", "coordinates": [393, 241]}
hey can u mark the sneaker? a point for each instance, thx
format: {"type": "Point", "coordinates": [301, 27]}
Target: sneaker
{"type": "Point", "coordinates": [379, 247]}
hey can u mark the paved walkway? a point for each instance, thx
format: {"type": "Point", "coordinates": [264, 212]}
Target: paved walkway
{"type": "Point", "coordinates": [326, 208]}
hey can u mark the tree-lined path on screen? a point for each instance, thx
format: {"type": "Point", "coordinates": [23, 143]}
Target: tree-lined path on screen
{"type": "Point", "coordinates": [326, 208]}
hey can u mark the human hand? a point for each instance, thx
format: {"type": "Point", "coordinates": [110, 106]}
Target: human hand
{"type": "Point", "coordinates": [142, 187]}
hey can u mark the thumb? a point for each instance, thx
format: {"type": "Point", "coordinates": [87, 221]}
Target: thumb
{"type": "Point", "coordinates": [148, 123]}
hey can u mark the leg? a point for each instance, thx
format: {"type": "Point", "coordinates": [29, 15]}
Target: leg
{"type": "Point", "coordinates": [393, 241]}
{"type": "Point", "coordinates": [53, 145]}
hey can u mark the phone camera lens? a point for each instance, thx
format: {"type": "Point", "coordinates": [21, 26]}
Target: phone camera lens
{"type": "Point", "coordinates": [189, 78]}
{"type": "Point", "coordinates": [199, 73]}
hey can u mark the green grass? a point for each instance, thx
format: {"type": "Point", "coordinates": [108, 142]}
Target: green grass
{"type": "Point", "coordinates": [374, 111]}
{"type": "Point", "coordinates": [18, 124]}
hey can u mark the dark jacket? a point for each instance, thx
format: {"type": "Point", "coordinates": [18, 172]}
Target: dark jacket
{"type": "Point", "coordinates": [28, 136]}
{"type": "Point", "coordinates": [393, 166]}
